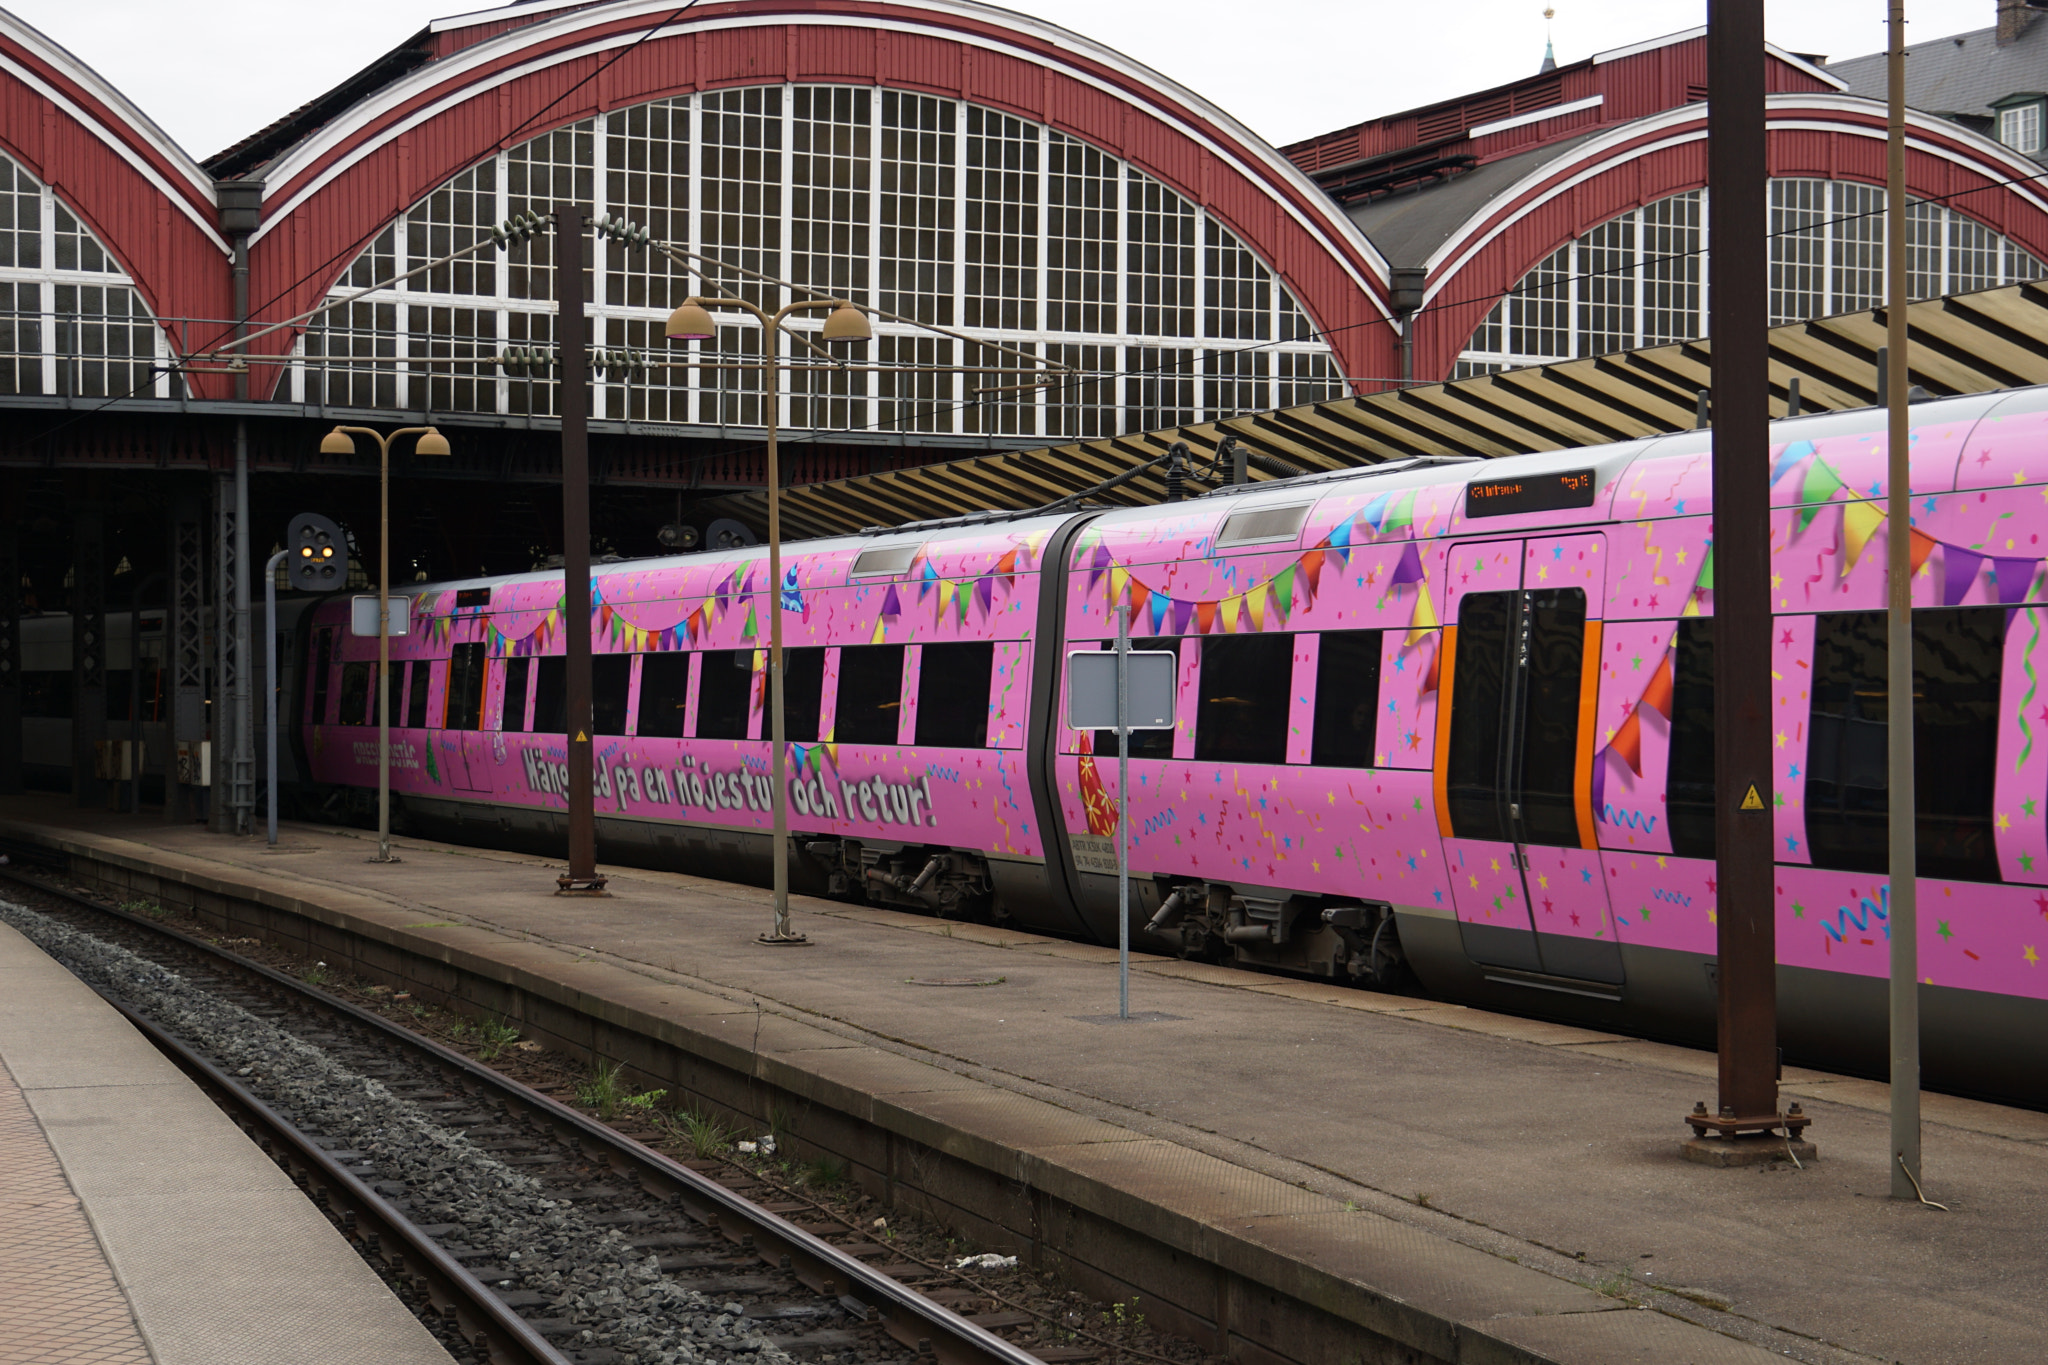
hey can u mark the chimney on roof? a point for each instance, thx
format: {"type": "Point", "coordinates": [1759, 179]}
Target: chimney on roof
{"type": "Point", "coordinates": [1550, 53]}
{"type": "Point", "coordinates": [2014, 18]}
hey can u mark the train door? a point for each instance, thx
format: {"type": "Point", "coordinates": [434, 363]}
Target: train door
{"type": "Point", "coordinates": [1514, 757]}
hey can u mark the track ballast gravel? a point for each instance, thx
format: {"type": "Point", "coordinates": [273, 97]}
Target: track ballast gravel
{"type": "Point", "coordinates": [613, 1291]}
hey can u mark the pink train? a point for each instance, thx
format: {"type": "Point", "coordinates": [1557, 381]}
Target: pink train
{"type": "Point", "coordinates": [1442, 716]}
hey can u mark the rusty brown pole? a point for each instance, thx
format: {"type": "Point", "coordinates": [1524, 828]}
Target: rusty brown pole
{"type": "Point", "coordinates": [573, 404]}
{"type": "Point", "coordinates": [1738, 262]}
{"type": "Point", "coordinates": [1904, 933]}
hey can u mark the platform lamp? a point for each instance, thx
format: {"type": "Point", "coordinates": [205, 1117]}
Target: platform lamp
{"type": "Point", "coordinates": [341, 441]}
{"type": "Point", "coordinates": [845, 323]}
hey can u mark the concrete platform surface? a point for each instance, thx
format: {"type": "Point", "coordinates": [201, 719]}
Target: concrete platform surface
{"type": "Point", "coordinates": [1507, 1179]}
{"type": "Point", "coordinates": [138, 1224]}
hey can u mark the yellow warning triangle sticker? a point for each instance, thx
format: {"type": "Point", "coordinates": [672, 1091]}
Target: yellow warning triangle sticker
{"type": "Point", "coordinates": [582, 738]}
{"type": "Point", "coordinates": [1750, 800]}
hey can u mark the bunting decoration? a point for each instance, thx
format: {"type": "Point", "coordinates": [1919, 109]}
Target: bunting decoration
{"type": "Point", "coordinates": [1627, 743]}
{"type": "Point", "coordinates": [1274, 600]}
{"type": "Point", "coordinates": [2012, 576]}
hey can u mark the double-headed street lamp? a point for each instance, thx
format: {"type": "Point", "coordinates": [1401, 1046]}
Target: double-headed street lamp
{"type": "Point", "coordinates": [846, 323]}
{"type": "Point", "coordinates": [340, 441]}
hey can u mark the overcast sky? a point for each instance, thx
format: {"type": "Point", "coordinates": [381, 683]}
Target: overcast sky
{"type": "Point", "coordinates": [212, 71]}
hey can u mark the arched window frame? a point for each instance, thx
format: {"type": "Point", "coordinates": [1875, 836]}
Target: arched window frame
{"type": "Point", "coordinates": [72, 322]}
{"type": "Point", "coordinates": [1640, 279]}
{"type": "Point", "coordinates": [1237, 340]}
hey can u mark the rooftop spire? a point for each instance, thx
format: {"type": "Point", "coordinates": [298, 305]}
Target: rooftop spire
{"type": "Point", "coordinates": [1549, 53]}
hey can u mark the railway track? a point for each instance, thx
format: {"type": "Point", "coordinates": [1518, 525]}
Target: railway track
{"type": "Point", "coordinates": [737, 1277]}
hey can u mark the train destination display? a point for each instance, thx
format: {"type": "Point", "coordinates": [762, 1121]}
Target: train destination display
{"type": "Point", "coordinates": [1529, 493]}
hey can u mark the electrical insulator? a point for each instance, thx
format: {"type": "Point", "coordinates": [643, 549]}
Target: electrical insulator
{"type": "Point", "coordinates": [619, 230]}
{"type": "Point", "coordinates": [527, 359]}
{"type": "Point", "coordinates": [519, 228]}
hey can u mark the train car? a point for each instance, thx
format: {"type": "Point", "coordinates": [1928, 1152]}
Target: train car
{"type": "Point", "coordinates": [1443, 716]}
{"type": "Point", "coordinates": [48, 700]}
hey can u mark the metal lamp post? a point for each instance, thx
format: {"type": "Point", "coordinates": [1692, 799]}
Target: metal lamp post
{"type": "Point", "coordinates": [846, 323]}
{"type": "Point", "coordinates": [340, 441]}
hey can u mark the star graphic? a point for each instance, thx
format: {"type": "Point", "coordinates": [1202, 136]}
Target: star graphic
{"type": "Point", "coordinates": [1782, 737]}
{"type": "Point", "coordinates": [1575, 919]}
{"type": "Point", "coordinates": [1945, 932]}
{"type": "Point", "coordinates": [1711, 884]}
{"type": "Point", "coordinates": [1644, 911]}
{"type": "Point", "coordinates": [2027, 806]}
{"type": "Point", "coordinates": [1786, 638]}
{"type": "Point", "coordinates": [2041, 904]}
{"type": "Point", "coordinates": [1556, 552]}
{"type": "Point", "coordinates": [1798, 910]}
{"type": "Point", "coordinates": [2030, 955]}
{"type": "Point", "coordinates": [1547, 907]}
{"type": "Point", "coordinates": [1636, 663]}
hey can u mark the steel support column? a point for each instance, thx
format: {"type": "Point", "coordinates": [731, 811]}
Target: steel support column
{"type": "Point", "coordinates": [1745, 901]}
{"type": "Point", "coordinates": [226, 665]}
{"type": "Point", "coordinates": [185, 634]}
{"type": "Point", "coordinates": [241, 700]}
{"type": "Point", "coordinates": [10, 661]}
{"type": "Point", "coordinates": [88, 652]}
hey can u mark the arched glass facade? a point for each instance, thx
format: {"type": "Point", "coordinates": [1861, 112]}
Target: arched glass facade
{"type": "Point", "coordinates": [71, 321]}
{"type": "Point", "coordinates": [939, 210]}
{"type": "Point", "coordinates": [1641, 279]}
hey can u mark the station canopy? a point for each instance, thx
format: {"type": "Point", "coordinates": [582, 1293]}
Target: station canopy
{"type": "Point", "coordinates": [1964, 343]}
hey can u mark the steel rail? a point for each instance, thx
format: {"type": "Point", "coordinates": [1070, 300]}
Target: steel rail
{"type": "Point", "coordinates": [484, 1319]}
{"type": "Point", "coordinates": [906, 1315]}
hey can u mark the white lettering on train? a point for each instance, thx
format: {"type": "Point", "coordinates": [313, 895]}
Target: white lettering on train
{"type": "Point", "coordinates": [712, 789]}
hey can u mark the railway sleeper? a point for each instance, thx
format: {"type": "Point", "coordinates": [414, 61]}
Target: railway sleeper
{"type": "Point", "coordinates": [1326, 937]}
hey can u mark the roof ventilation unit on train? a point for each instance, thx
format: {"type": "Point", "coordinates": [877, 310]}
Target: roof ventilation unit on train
{"type": "Point", "coordinates": [884, 561]}
{"type": "Point", "coordinates": [1258, 525]}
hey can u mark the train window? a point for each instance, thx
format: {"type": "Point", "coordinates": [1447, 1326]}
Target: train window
{"type": "Point", "coordinates": [465, 688]}
{"type": "Point", "coordinates": [355, 695]}
{"type": "Point", "coordinates": [512, 716]}
{"type": "Point", "coordinates": [1144, 743]}
{"type": "Point", "coordinates": [1550, 716]}
{"type": "Point", "coordinates": [1347, 699]}
{"type": "Point", "coordinates": [952, 695]}
{"type": "Point", "coordinates": [323, 664]}
{"type": "Point", "coordinates": [803, 694]}
{"type": "Point", "coordinates": [1957, 659]}
{"type": "Point", "coordinates": [1246, 682]}
{"type": "Point", "coordinates": [611, 681]}
{"type": "Point", "coordinates": [551, 696]}
{"type": "Point", "coordinates": [1476, 764]}
{"type": "Point", "coordinates": [417, 690]}
{"type": "Point", "coordinates": [870, 694]}
{"type": "Point", "coordinates": [727, 694]}
{"type": "Point", "coordinates": [46, 694]}
{"type": "Point", "coordinates": [1689, 782]}
{"type": "Point", "coordinates": [664, 692]}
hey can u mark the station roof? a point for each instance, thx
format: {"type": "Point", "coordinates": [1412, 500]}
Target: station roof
{"type": "Point", "coordinates": [1965, 343]}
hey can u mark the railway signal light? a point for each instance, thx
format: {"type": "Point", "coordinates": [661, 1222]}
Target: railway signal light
{"type": "Point", "coordinates": [316, 555]}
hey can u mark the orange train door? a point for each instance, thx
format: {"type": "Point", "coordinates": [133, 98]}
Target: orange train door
{"type": "Point", "coordinates": [1514, 755]}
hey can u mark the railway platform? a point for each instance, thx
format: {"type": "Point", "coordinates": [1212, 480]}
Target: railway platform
{"type": "Point", "coordinates": [138, 1226]}
{"type": "Point", "coordinates": [1283, 1170]}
